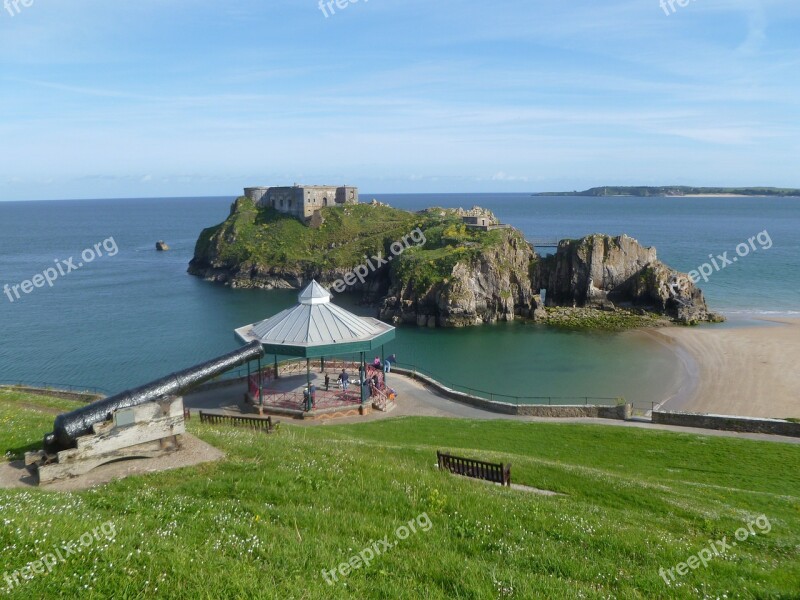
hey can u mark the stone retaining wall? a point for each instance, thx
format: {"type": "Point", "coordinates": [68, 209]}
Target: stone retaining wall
{"type": "Point", "coordinates": [566, 411]}
{"type": "Point", "coordinates": [620, 412]}
{"type": "Point", "coordinates": [54, 393]}
{"type": "Point", "coordinates": [728, 423]}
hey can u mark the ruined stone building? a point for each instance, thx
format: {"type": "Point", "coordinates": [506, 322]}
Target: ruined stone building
{"type": "Point", "coordinates": [302, 201]}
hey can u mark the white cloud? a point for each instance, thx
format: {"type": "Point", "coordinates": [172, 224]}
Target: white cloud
{"type": "Point", "coordinates": [501, 176]}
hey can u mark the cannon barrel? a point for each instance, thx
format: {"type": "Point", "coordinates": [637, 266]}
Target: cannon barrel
{"type": "Point", "coordinates": [68, 427]}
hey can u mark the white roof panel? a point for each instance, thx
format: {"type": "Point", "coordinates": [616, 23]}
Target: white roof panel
{"type": "Point", "coordinates": [315, 321]}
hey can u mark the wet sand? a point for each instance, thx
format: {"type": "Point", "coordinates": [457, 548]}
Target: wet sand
{"type": "Point", "coordinates": [744, 371]}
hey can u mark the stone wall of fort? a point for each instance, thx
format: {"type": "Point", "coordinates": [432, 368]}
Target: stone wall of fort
{"type": "Point", "coordinates": [302, 201]}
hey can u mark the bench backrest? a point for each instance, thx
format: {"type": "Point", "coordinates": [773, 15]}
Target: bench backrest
{"type": "Point", "coordinates": [253, 422]}
{"type": "Point", "coordinates": [469, 467]}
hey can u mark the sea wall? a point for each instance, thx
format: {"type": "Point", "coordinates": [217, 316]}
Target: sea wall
{"type": "Point", "coordinates": [55, 393]}
{"type": "Point", "coordinates": [620, 412]}
{"type": "Point", "coordinates": [728, 423]}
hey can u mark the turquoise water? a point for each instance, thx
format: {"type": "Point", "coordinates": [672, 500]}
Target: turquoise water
{"type": "Point", "coordinates": [123, 320]}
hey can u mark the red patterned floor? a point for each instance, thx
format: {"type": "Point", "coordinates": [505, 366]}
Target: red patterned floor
{"type": "Point", "coordinates": [295, 400]}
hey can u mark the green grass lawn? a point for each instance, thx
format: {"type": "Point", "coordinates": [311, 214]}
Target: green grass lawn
{"type": "Point", "coordinates": [265, 522]}
{"type": "Point", "coordinates": [266, 237]}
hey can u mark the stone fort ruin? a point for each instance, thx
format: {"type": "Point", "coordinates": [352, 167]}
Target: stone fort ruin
{"type": "Point", "coordinates": [302, 201]}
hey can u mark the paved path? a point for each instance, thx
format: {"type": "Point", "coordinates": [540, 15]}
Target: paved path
{"type": "Point", "coordinates": [416, 399]}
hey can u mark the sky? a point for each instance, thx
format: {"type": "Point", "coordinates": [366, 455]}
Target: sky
{"type": "Point", "coordinates": [202, 98]}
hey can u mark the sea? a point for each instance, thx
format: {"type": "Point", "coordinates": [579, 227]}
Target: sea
{"type": "Point", "coordinates": [119, 314]}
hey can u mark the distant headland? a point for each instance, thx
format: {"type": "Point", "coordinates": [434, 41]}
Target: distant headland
{"type": "Point", "coordinates": [677, 190]}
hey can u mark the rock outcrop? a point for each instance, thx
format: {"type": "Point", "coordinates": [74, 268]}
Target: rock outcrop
{"type": "Point", "coordinates": [250, 276]}
{"type": "Point", "coordinates": [599, 271]}
{"type": "Point", "coordinates": [492, 285]}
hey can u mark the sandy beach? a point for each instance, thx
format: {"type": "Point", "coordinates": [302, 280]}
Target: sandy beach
{"type": "Point", "coordinates": [719, 196]}
{"type": "Point", "coordinates": [745, 371]}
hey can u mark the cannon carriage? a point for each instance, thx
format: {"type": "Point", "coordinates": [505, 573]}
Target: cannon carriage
{"type": "Point", "coordinates": [143, 422]}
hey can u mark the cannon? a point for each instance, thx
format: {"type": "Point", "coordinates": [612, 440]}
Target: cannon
{"type": "Point", "coordinates": [143, 422]}
{"type": "Point", "coordinates": [68, 427]}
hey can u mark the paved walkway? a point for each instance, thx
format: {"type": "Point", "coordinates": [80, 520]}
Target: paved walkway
{"type": "Point", "coordinates": [416, 399]}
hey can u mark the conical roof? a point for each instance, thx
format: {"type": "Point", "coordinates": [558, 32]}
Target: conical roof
{"type": "Point", "coordinates": [314, 294]}
{"type": "Point", "coordinates": [316, 322]}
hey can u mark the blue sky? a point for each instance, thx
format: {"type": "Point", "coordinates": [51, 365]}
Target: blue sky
{"type": "Point", "coordinates": [101, 99]}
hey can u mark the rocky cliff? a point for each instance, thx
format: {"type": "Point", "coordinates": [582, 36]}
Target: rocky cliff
{"type": "Point", "coordinates": [599, 271]}
{"type": "Point", "coordinates": [478, 287]}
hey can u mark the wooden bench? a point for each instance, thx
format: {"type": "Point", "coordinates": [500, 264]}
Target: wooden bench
{"type": "Point", "coordinates": [478, 469]}
{"type": "Point", "coordinates": [265, 425]}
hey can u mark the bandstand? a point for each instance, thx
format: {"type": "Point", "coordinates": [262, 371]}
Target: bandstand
{"type": "Point", "coordinates": [316, 329]}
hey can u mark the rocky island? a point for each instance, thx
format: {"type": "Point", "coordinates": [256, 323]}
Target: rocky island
{"type": "Point", "coordinates": [466, 268]}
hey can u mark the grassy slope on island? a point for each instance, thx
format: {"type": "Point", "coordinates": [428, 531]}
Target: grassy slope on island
{"type": "Point", "coordinates": [448, 242]}
{"type": "Point", "coordinates": [675, 190]}
{"type": "Point", "coordinates": [262, 236]}
{"type": "Point", "coordinates": [255, 236]}
{"type": "Point", "coordinates": [266, 520]}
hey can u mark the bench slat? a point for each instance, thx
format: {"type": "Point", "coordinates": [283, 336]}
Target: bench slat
{"type": "Point", "coordinates": [265, 425]}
